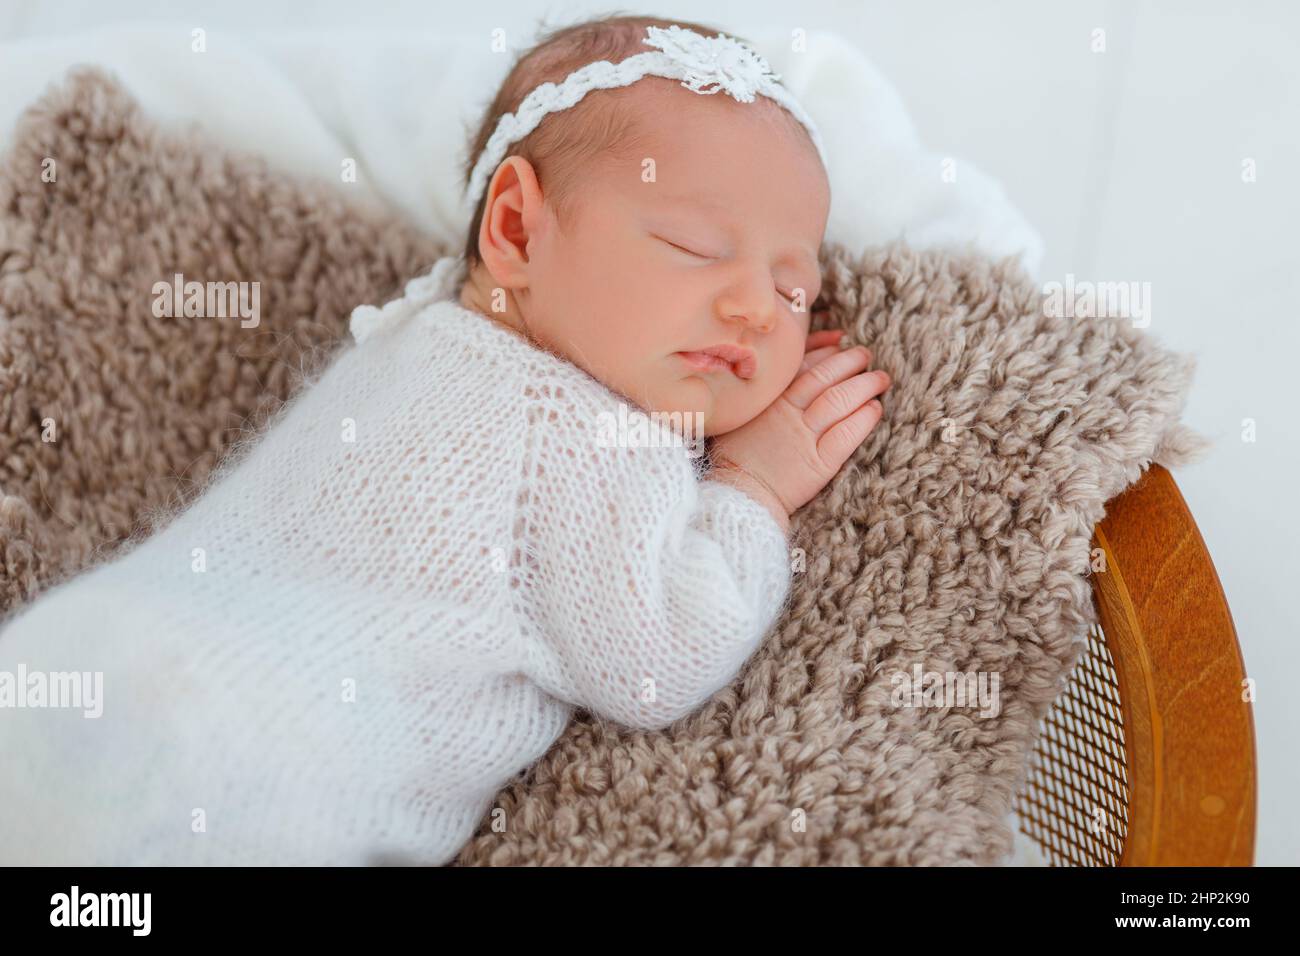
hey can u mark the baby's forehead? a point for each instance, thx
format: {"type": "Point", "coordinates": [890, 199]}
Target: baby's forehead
{"type": "Point", "coordinates": [715, 156]}
{"type": "Point", "coordinates": [668, 107]}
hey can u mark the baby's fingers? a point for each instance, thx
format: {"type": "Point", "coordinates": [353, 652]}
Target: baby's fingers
{"type": "Point", "coordinates": [839, 400]}
{"type": "Point", "coordinates": [818, 355]}
{"type": "Point", "coordinates": [834, 368]}
{"type": "Point", "coordinates": [843, 440]}
{"type": "Point", "coordinates": [824, 337]}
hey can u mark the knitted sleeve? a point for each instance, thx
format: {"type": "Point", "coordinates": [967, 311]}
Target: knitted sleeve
{"type": "Point", "coordinates": [644, 587]}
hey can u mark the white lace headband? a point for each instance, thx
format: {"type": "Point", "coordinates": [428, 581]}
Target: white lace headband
{"type": "Point", "coordinates": [683, 55]}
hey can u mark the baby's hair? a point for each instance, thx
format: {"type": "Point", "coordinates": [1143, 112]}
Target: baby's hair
{"type": "Point", "coordinates": [597, 129]}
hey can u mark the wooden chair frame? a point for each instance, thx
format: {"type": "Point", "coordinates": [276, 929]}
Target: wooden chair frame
{"type": "Point", "coordinates": [1148, 758]}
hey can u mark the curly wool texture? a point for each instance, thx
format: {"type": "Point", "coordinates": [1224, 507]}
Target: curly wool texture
{"type": "Point", "coordinates": [141, 409]}
{"type": "Point", "coordinates": [960, 555]}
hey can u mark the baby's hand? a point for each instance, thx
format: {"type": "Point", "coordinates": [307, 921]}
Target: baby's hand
{"type": "Point", "coordinates": [796, 445]}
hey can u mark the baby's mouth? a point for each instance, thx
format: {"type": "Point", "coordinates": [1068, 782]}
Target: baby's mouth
{"type": "Point", "coordinates": [741, 362]}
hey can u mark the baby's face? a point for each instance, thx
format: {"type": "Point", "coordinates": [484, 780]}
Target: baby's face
{"type": "Point", "coordinates": [708, 247]}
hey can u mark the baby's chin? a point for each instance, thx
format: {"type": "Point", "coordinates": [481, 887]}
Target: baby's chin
{"type": "Point", "coordinates": [716, 414]}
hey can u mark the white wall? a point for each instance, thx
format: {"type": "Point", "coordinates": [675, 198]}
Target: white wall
{"type": "Point", "coordinates": [1130, 163]}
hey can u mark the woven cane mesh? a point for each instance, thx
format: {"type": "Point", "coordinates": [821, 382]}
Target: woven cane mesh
{"type": "Point", "coordinates": [1075, 801]}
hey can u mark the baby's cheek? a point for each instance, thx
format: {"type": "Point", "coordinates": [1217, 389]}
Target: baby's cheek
{"type": "Point", "coordinates": [785, 369]}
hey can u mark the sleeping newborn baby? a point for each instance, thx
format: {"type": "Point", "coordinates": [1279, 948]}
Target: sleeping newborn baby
{"type": "Point", "coordinates": [393, 601]}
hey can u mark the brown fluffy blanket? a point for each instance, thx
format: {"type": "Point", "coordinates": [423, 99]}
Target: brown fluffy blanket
{"type": "Point", "coordinates": [956, 538]}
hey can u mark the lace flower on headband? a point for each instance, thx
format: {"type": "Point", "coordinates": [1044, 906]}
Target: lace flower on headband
{"type": "Point", "coordinates": [729, 64]}
{"type": "Point", "coordinates": [705, 65]}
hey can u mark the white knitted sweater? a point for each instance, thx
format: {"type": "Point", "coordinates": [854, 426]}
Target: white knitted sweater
{"type": "Point", "coordinates": [343, 649]}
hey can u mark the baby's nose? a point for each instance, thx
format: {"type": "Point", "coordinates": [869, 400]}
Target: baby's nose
{"type": "Point", "coordinates": [760, 320]}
